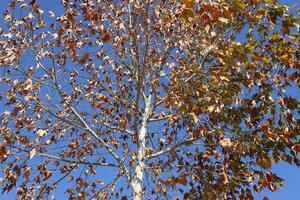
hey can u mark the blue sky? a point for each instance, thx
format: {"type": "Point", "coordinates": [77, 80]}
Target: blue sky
{"type": "Point", "coordinates": [290, 174]}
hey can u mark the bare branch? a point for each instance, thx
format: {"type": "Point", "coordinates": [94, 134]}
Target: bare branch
{"type": "Point", "coordinates": [172, 148]}
{"type": "Point", "coordinates": [77, 161]}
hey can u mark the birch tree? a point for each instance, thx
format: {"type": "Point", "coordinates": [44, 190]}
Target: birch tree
{"type": "Point", "coordinates": [129, 99]}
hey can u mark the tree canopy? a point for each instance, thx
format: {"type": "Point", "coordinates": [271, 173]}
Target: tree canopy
{"type": "Point", "coordinates": [148, 99]}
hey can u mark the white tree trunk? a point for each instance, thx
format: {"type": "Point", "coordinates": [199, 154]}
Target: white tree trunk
{"type": "Point", "coordinates": [137, 182]}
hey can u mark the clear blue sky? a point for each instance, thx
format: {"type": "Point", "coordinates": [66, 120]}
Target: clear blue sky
{"type": "Point", "coordinates": [291, 174]}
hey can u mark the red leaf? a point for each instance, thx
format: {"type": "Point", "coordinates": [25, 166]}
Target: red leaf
{"type": "Point", "coordinates": [296, 148]}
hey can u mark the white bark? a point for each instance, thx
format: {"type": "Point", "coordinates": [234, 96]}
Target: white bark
{"type": "Point", "coordinates": [137, 182]}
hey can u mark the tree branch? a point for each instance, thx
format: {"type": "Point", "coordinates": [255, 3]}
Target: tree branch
{"type": "Point", "coordinates": [77, 161]}
{"type": "Point", "coordinates": [172, 148]}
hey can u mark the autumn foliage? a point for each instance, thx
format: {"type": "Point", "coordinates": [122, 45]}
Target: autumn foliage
{"type": "Point", "coordinates": [149, 99]}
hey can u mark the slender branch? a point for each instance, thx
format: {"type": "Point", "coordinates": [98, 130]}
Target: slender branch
{"type": "Point", "coordinates": [159, 119]}
{"type": "Point", "coordinates": [117, 128]}
{"type": "Point", "coordinates": [172, 148]}
{"type": "Point", "coordinates": [77, 161]}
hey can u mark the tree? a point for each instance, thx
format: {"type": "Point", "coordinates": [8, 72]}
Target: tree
{"type": "Point", "coordinates": [148, 99]}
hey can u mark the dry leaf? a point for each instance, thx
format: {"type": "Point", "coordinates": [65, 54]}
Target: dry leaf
{"type": "Point", "coordinates": [41, 132]}
{"type": "Point", "coordinates": [32, 153]}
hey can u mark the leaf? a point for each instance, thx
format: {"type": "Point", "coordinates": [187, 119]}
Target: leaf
{"type": "Point", "coordinates": [239, 4]}
{"type": "Point", "coordinates": [30, 15]}
{"type": "Point", "coordinates": [265, 127]}
{"type": "Point", "coordinates": [182, 179]}
{"type": "Point", "coordinates": [41, 132]}
{"type": "Point", "coordinates": [265, 163]}
{"type": "Point", "coordinates": [4, 153]}
{"type": "Point", "coordinates": [106, 37]}
{"type": "Point", "coordinates": [74, 57]}
{"type": "Point", "coordinates": [298, 81]}
{"type": "Point", "coordinates": [194, 117]}
{"type": "Point", "coordinates": [188, 12]}
{"type": "Point", "coordinates": [296, 148]}
{"type": "Point", "coordinates": [226, 142]}
{"type": "Point", "coordinates": [122, 123]}
{"type": "Point", "coordinates": [26, 173]}
{"type": "Point", "coordinates": [47, 174]}
{"type": "Point", "coordinates": [163, 60]}
{"type": "Point", "coordinates": [224, 177]}
{"type": "Point", "coordinates": [131, 163]}
{"type": "Point", "coordinates": [223, 20]}
{"type": "Point", "coordinates": [148, 151]}
{"type": "Point", "coordinates": [52, 14]}
{"type": "Point", "coordinates": [189, 3]}
{"type": "Point", "coordinates": [73, 145]}
{"type": "Point", "coordinates": [84, 58]}
{"type": "Point", "coordinates": [223, 78]}
{"type": "Point", "coordinates": [32, 153]}
{"type": "Point", "coordinates": [211, 108]}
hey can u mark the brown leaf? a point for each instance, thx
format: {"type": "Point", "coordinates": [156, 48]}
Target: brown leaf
{"type": "Point", "coordinates": [265, 127]}
{"type": "Point", "coordinates": [74, 57]}
{"type": "Point", "coordinates": [47, 174]}
{"type": "Point", "coordinates": [73, 145]}
{"type": "Point", "coordinates": [224, 177]}
{"type": "Point", "coordinates": [131, 163]}
{"type": "Point", "coordinates": [84, 58]}
{"type": "Point", "coordinates": [106, 37]}
{"type": "Point", "coordinates": [4, 153]}
{"type": "Point", "coordinates": [182, 179]}
{"type": "Point", "coordinates": [122, 123]}
{"type": "Point", "coordinates": [26, 173]}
